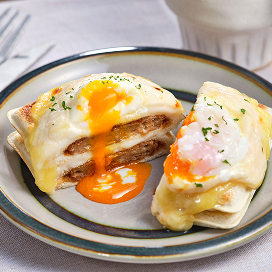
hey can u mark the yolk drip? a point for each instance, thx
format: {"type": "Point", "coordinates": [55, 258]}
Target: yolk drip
{"type": "Point", "coordinates": [108, 187]}
{"type": "Point", "coordinates": [174, 166]}
{"type": "Point", "coordinates": [111, 188]}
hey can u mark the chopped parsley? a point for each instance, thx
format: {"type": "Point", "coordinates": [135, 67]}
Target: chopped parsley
{"type": "Point", "coordinates": [225, 161]}
{"type": "Point", "coordinates": [68, 92]}
{"type": "Point", "coordinates": [216, 132]}
{"type": "Point", "coordinates": [64, 106]}
{"type": "Point", "coordinates": [221, 151]}
{"type": "Point", "coordinates": [206, 139]}
{"type": "Point", "coordinates": [246, 100]}
{"type": "Point", "coordinates": [198, 185]}
{"type": "Point", "coordinates": [139, 86]}
{"type": "Point", "coordinates": [53, 98]}
{"type": "Point", "coordinates": [209, 104]}
{"type": "Point", "coordinates": [218, 105]}
{"type": "Point", "coordinates": [204, 98]}
{"type": "Point", "coordinates": [205, 130]}
{"type": "Point", "coordinates": [210, 118]}
{"type": "Point", "coordinates": [216, 125]}
{"type": "Point", "coordinates": [124, 79]}
{"type": "Point", "coordinates": [243, 111]}
{"type": "Point", "coordinates": [52, 109]}
{"type": "Point", "coordinates": [71, 96]}
{"type": "Point", "coordinates": [236, 119]}
{"type": "Point", "coordinates": [224, 120]}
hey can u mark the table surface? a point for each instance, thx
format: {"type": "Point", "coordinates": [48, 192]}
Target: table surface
{"type": "Point", "coordinates": [82, 25]}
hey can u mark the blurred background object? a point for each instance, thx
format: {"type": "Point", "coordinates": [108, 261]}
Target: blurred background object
{"type": "Point", "coordinates": [236, 31]}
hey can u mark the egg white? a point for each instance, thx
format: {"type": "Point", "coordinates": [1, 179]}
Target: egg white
{"type": "Point", "coordinates": [213, 144]}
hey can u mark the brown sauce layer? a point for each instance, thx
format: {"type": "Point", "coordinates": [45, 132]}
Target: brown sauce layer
{"type": "Point", "coordinates": [137, 153]}
{"type": "Point", "coordinates": [121, 132]}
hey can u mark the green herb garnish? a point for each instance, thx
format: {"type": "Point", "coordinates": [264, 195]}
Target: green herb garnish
{"type": "Point", "coordinates": [64, 106]}
{"type": "Point", "coordinates": [236, 119]}
{"type": "Point", "coordinates": [53, 98]}
{"type": "Point", "coordinates": [243, 111]}
{"type": "Point", "coordinates": [225, 161]}
{"type": "Point", "coordinates": [218, 105]}
{"type": "Point", "coordinates": [205, 130]}
{"type": "Point", "coordinates": [198, 185]}
{"type": "Point", "coordinates": [224, 120]}
{"type": "Point", "coordinates": [139, 86]}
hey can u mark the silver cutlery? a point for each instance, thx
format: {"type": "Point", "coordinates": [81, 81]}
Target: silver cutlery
{"type": "Point", "coordinates": [10, 31]}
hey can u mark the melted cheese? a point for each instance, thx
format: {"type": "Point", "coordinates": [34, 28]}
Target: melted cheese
{"type": "Point", "coordinates": [179, 208]}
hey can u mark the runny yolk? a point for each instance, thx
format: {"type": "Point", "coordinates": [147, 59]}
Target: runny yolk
{"type": "Point", "coordinates": [174, 166]}
{"type": "Point", "coordinates": [108, 187]}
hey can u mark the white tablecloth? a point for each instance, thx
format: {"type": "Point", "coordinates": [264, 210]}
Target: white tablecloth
{"type": "Point", "coordinates": [82, 25]}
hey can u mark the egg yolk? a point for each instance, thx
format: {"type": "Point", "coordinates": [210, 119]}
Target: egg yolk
{"type": "Point", "coordinates": [108, 187]}
{"type": "Point", "coordinates": [174, 166]}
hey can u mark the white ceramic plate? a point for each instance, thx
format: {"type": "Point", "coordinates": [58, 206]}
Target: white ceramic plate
{"type": "Point", "coordinates": [125, 232]}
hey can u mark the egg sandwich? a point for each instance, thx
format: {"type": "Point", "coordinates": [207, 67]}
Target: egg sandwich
{"type": "Point", "coordinates": [99, 121]}
{"type": "Point", "coordinates": [217, 162]}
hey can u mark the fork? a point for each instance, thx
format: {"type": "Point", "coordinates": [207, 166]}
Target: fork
{"type": "Point", "coordinates": [10, 32]}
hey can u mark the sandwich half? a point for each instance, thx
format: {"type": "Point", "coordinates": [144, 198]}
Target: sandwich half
{"type": "Point", "coordinates": [99, 121]}
{"type": "Point", "coordinates": [217, 162]}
